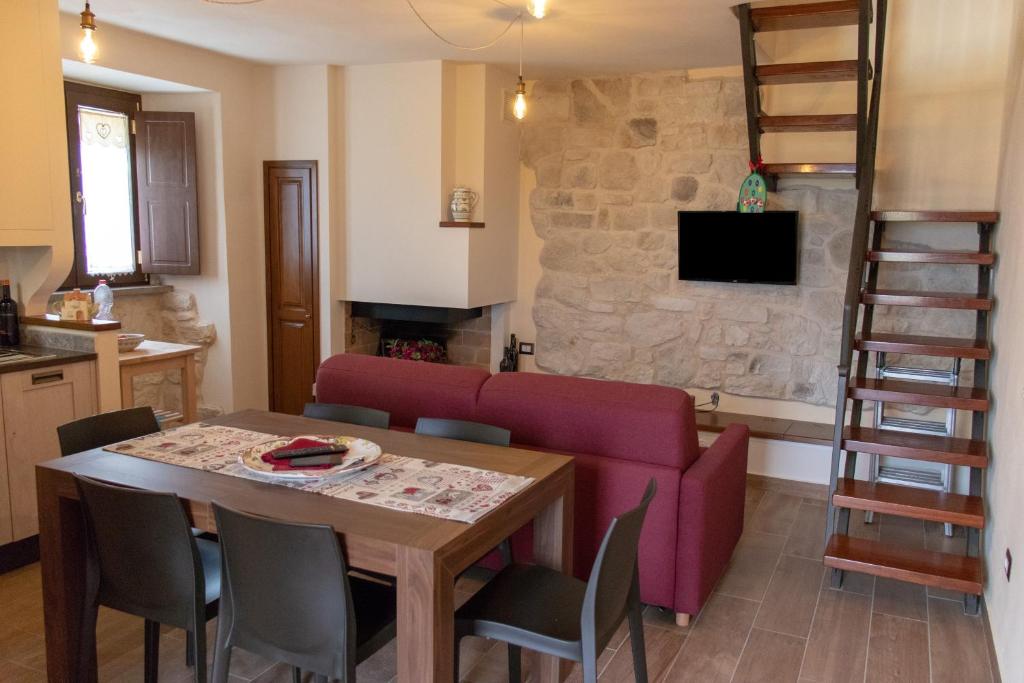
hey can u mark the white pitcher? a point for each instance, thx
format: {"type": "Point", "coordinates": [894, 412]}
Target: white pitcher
{"type": "Point", "coordinates": [463, 202]}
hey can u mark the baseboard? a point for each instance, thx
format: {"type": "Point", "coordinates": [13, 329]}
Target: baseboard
{"type": "Point", "coordinates": [18, 554]}
{"type": "Point", "coordinates": [993, 660]}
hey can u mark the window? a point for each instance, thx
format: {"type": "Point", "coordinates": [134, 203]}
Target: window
{"type": "Point", "coordinates": [101, 156]}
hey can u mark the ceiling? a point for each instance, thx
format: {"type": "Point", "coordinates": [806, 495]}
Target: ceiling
{"type": "Point", "coordinates": [579, 37]}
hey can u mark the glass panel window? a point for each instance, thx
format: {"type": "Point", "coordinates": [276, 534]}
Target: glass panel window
{"type": "Point", "coordinates": [107, 191]}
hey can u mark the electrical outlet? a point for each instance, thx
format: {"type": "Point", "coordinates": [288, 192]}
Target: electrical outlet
{"type": "Point", "coordinates": [1008, 564]}
{"type": "Point", "coordinates": [525, 348]}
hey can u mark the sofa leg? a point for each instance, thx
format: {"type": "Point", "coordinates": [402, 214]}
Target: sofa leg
{"type": "Point", "coordinates": [682, 620]}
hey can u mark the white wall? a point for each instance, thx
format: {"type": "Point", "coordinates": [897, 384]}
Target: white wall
{"type": "Point", "coordinates": [230, 292]}
{"type": "Point", "coordinates": [412, 132]}
{"type": "Point", "coordinates": [1005, 479]}
{"type": "Point", "coordinates": [396, 252]}
{"type": "Point", "coordinates": [208, 287]}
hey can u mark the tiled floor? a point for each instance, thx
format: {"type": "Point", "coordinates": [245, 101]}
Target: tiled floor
{"type": "Point", "coordinates": [772, 618]}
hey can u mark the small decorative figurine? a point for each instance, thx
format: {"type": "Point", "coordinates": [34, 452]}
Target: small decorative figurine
{"type": "Point", "coordinates": [753, 191]}
{"type": "Point", "coordinates": [77, 305]}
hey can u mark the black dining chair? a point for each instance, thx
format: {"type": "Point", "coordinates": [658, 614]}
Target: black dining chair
{"type": "Point", "coordinates": [546, 611]}
{"type": "Point", "coordinates": [288, 597]}
{"type": "Point", "coordinates": [463, 430]}
{"type": "Point", "coordinates": [143, 560]}
{"type": "Point", "coordinates": [106, 428]}
{"type": "Point", "coordinates": [478, 432]}
{"type": "Point", "coordinates": [357, 415]}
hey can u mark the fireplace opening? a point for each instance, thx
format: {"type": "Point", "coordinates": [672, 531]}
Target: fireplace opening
{"type": "Point", "coordinates": [422, 333]}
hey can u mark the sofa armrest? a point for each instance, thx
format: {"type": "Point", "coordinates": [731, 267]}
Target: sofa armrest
{"type": "Point", "coordinates": [712, 494]}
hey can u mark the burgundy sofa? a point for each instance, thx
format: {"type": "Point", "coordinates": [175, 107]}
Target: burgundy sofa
{"type": "Point", "coordinates": [620, 434]}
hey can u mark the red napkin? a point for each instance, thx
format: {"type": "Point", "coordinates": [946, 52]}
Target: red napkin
{"type": "Point", "coordinates": [284, 464]}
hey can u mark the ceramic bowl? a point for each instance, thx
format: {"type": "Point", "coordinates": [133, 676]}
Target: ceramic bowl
{"type": "Point", "coordinates": [129, 342]}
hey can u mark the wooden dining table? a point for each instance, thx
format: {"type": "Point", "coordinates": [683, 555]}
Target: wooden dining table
{"type": "Point", "coordinates": [425, 554]}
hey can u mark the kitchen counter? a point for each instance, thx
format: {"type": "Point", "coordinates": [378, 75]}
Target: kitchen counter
{"type": "Point", "coordinates": [38, 357]}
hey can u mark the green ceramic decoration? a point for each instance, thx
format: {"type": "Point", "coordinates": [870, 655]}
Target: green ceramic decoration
{"type": "Point", "coordinates": [753, 192]}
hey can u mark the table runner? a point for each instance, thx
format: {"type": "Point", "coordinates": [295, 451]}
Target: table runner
{"type": "Point", "coordinates": [454, 492]}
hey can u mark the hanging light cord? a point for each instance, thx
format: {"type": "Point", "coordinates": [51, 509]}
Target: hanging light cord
{"type": "Point", "coordinates": [472, 48]}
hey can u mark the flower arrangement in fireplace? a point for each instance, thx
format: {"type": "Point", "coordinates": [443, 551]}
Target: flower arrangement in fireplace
{"type": "Point", "coordinates": [415, 349]}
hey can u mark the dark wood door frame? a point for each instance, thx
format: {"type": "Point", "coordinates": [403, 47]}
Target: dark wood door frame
{"type": "Point", "coordinates": [311, 166]}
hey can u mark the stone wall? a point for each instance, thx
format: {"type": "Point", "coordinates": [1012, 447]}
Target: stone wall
{"type": "Point", "coordinates": [615, 159]}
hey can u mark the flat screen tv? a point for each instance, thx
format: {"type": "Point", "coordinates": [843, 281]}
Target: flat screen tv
{"type": "Point", "coordinates": [728, 246]}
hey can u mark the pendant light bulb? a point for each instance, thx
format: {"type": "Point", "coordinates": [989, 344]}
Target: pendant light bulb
{"type": "Point", "coordinates": [538, 8]}
{"type": "Point", "coordinates": [87, 47]}
{"type": "Point", "coordinates": [519, 106]}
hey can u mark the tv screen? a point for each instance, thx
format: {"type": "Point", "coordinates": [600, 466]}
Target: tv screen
{"type": "Point", "coordinates": [728, 246]}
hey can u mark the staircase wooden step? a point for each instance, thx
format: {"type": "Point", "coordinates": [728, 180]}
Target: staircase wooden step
{"type": "Point", "coordinates": [919, 393]}
{"type": "Point", "coordinates": [807, 123]}
{"type": "Point", "coordinates": [892, 216]}
{"type": "Point", "coordinates": [906, 297]}
{"type": "Point", "coordinates": [813, 15]}
{"type": "Point", "coordinates": [934, 256]}
{"type": "Point", "coordinates": [807, 72]}
{"type": "Point", "coordinates": [919, 345]}
{"type": "Point", "coordinates": [924, 567]}
{"type": "Point", "coordinates": [924, 447]}
{"type": "Point", "coordinates": [832, 169]}
{"type": "Point", "coordinates": [906, 501]}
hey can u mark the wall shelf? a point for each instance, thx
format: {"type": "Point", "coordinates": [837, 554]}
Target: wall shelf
{"type": "Point", "coordinates": [461, 224]}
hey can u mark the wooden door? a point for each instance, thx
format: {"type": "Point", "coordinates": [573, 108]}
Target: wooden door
{"type": "Point", "coordinates": [290, 196]}
{"type": "Point", "coordinates": [35, 403]}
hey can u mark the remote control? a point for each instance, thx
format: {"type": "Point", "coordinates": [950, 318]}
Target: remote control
{"type": "Point", "coordinates": [317, 460]}
{"type": "Point", "coordinates": [309, 452]}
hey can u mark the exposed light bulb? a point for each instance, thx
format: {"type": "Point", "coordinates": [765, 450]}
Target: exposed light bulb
{"type": "Point", "coordinates": [87, 47]}
{"type": "Point", "coordinates": [538, 8]}
{"type": "Point", "coordinates": [519, 106]}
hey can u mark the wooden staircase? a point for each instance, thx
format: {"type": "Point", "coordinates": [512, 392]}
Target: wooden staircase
{"type": "Point", "coordinates": [958, 572]}
{"type": "Point", "coordinates": [919, 493]}
{"type": "Point", "coordinates": [796, 17]}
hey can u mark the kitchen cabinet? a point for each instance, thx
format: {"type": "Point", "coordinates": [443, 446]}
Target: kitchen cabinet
{"type": "Point", "coordinates": [33, 156]}
{"type": "Point", "coordinates": [34, 403]}
{"type": "Point", "coordinates": [6, 532]}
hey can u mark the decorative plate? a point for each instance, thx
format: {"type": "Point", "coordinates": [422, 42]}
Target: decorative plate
{"type": "Point", "coordinates": [361, 454]}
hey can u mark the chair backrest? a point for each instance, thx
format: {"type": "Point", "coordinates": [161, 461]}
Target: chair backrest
{"type": "Point", "coordinates": [142, 545]}
{"type": "Point", "coordinates": [286, 587]}
{"type": "Point", "coordinates": [356, 415]}
{"type": "Point", "coordinates": [464, 431]}
{"type": "Point", "coordinates": [614, 575]}
{"type": "Point", "coordinates": [106, 428]}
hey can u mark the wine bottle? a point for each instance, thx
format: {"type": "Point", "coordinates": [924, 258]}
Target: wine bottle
{"type": "Point", "coordinates": [9, 334]}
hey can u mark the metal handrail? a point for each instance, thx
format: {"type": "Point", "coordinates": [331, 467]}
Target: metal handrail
{"type": "Point", "coordinates": [858, 248]}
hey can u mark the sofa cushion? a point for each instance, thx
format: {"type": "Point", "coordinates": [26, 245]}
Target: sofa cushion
{"type": "Point", "coordinates": [407, 389]}
{"type": "Point", "coordinates": [635, 422]}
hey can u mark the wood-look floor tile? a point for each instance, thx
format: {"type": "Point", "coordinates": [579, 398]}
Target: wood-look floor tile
{"type": "Point", "coordinates": [859, 528]}
{"type": "Point", "coordinates": [807, 537]}
{"type": "Point", "coordinates": [897, 650]}
{"type": "Point", "coordinates": [576, 675]}
{"type": "Point", "coordinates": [959, 648]}
{"type": "Point", "coordinates": [935, 538]}
{"type": "Point", "coordinates": [901, 599]}
{"type": "Point", "coordinates": [853, 582]}
{"type": "Point", "coordinates": [789, 602]}
{"type": "Point", "coordinates": [713, 648]}
{"type": "Point", "coordinates": [901, 531]}
{"type": "Point", "coordinates": [752, 565]}
{"type": "Point", "coordinates": [776, 513]}
{"type": "Point", "coordinates": [660, 617]}
{"type": "Point", "coordinates": [838, 644]}
{"type": "Point", "coordinates": [15, 673]}
{"type": "Point", "coordinates": [661, 647]}
{"type": "Point", "coordinates": [771, 657]}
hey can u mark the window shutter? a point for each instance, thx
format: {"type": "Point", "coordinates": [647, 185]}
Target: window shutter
{"type": "Point", "coordinates": [165, 154]}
